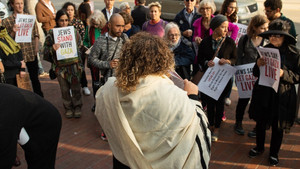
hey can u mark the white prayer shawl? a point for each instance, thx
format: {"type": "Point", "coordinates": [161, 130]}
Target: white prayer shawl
{"type": "Point", "coordinates": [156, 126]}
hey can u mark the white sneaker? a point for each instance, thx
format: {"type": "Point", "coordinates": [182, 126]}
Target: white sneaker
{"type": "Point", "coordinates": [227, 102]}
{"type": "Point", "coordinates": [86, 91]}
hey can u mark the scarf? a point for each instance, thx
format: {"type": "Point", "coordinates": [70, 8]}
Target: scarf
{"type": "Point", "coordinates": [12, 46]}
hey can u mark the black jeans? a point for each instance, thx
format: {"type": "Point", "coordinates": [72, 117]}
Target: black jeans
{"type": "Point", "coordinates": [95, 73]}
{"type": "Point", "coordinates": [83, 80]}
{"type": "Point", "coordinates": [33, 70]}
{"type": "Point", "coordinates": [240, 108]}
{"type": "Point", "coordinates": [276, 138]}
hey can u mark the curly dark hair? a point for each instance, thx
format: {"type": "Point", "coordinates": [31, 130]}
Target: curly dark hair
{"type": "Point", "coordinates": [143, 55]}
{"type": "Point", "coordinates": [65, 6]}
{"type": "Point", "coordinates": [273, 4]}
{"type": "Point", "coordinates": [232, 17]}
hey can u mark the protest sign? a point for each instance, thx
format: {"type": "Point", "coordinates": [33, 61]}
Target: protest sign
{"type": "Point", "coordinates": [66, 38]}
{"type": "Point", "coordinates": [245, 80]}
{"type": "Point", "coordinates": [26, 23]}
{"type": "Point", "coordinates": [270, 73]}
{"type": "Point", "coordinates": [215, 79]}
{"type": "Point", "coordinates": [242, 31]}
{"type": "Point", "coordinates": [177, 80]}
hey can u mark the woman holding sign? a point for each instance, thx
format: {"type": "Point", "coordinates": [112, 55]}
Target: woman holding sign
{"type": "Point", "coordinates": [247, 53]}
{"type": "Point", "coordinates": [223, 47]}
{"type": "Point", "coordinates": [67, 68]}
{"type": "Point", "coordinates": [271, 108]}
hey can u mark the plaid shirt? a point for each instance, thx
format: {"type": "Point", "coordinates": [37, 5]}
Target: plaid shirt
{"type": "Point", "coordinates": [28, 51]}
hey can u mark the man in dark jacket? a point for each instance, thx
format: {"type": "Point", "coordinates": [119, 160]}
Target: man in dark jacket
{"type": "Point", "coordinates": [140, 14]}
{"type": "Point", "coordinates": [109, 9]}
{"type": "Point", "coordinates": [185, 19]}
{"type": "Point", "coordinates": [33, 122]}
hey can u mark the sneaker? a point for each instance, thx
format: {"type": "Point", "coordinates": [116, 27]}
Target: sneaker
{"type": "Point", "coordinates": [227, 102]}
{"type": "Point", "coordinates": [69, 114]}
{"type": "Point", "coordinates": [86, 91]}
{"type": "Point", "coordinates": [252, 133]}
{"type": "Point", "coordinates": [224, 117]}
{"type": "Point", "coordinates": [254, 152]}
{"type": "Point", "coordinates": [103, 136]}
{"type": "Point", "coordinates": [44, 74]}
{"type": "Point", "coordinates": [273, 161]}
{"type": "Point", "coordinates": [77, 113]}
{"type": "Point", "coordinates": [238, 128]}
{"type": "Point", "coordinates": [214, 137]}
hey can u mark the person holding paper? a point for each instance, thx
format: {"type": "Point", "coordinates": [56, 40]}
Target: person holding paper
{"type": "Point", "coordinates": [31, 121]}
{"type": "Point", "coordinates": [270, 108]}
{"type": "Point", "coordinates": [29, 49]}
{"type": "Point", "coordinates": [11, 57]}
{"type": "Point", "coordinates": [79, 26]}
{"type": "Point", "coordinates": [223, 47]}
{"type": "Point", "coordinates": [68, 70]}
{"type": "Point", "coordinates": [150, 122]}
{"type": "Point", "coordinates": [247, 53]}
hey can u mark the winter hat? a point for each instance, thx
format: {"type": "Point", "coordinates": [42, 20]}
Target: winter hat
{"type": "Point", "coordinates": [217, 21]}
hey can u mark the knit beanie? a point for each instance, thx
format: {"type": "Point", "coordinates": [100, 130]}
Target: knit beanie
{"type": "Point", "coordinates": [217, 21]}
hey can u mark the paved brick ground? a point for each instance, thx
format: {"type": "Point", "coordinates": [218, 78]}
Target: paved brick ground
{"type": "Point", "coordinates": [80, 146]}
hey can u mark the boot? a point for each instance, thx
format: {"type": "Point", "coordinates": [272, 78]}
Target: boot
{"type": "Point", "coordinates": [238, 128]}
{"type": "Point", "coordinates": [77, 112]}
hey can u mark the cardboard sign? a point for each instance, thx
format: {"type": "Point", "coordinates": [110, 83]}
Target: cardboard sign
{"type": "Point", "coordinates": [242, 31]}
{"type": "Point", "coordinates": [26, 23]}
{"type": "Point", "coordinates": [215, 79]}
{"type": "Point", "coordinates": [270, 73]}
{"type": "Point", "coordinates": [66, 38]}
{"type": "Point", "coordinates": [245, 80]}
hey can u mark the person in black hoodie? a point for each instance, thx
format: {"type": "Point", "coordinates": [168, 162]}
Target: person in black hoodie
{"type": "Point", "coordinates": [270, 108]}
{"type": "Point", "coordinates": [34, 123]}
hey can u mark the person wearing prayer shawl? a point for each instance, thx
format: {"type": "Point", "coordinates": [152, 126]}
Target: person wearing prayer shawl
{"type": "Point", "coordinates": [149, 122]}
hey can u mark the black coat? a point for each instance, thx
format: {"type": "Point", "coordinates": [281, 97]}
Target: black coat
{"type": "Point", "coordinates": [140, 15]}
{"type": "Point", "coordinates": [206, 52]}
{"type": "Point", "coordinates": [184, 24]}
{"type": "Point", "coordinates": [266, 103]}
{"type": "Point", "coordinates": [115, 10]}
{"type": "Point", "coordinates": [42, 121]}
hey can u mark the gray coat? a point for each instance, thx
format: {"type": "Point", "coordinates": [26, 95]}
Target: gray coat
{"type": "Point", "coordinates": [104, 50]}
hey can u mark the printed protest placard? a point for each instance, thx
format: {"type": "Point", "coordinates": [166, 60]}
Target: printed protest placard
{"type": "Point", "coordinates": [245, 80]}
{"type": "Point", "coordinates": [66, 38]}
{"type": "Point", "coordinates": [26, 23]}
{"type": "Point", "coordinates": [215, 79]}
{"type": "Point", "coordinates": [242, 31]}
{"type": "Point", "coordinates": [270, 73]}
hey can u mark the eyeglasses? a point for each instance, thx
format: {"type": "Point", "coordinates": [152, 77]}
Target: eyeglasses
{"type": "Point", "coordinates": [189, 0]}
{"type": "Point", "coordinates": [275, 36]}
{"type": "Point", "coordinates": [268, 11]}
{"type": "Point", "coordinates": [64, 20]}
{"type": "Point", "coordinates": [203, 9]}
{"type": "Point", "coordinates": [173, 35]}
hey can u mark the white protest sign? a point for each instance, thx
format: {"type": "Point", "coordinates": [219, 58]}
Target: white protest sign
{"type": "Point", "coordinates": [270, 73]}
{"type": "Point", "coordinates": [215, 79]}
{"type": "Point", "coordinates": [245, 80]}
{"type": "Point", "coordinates": [26, 23]}
{"type": "Point", "coordinates": [66, 38]}
{"type": "Point", "coordinates": [242, 31]}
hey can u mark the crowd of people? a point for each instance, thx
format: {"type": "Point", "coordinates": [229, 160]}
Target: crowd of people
{"type": "Point", "coordinates": [132, 55]}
